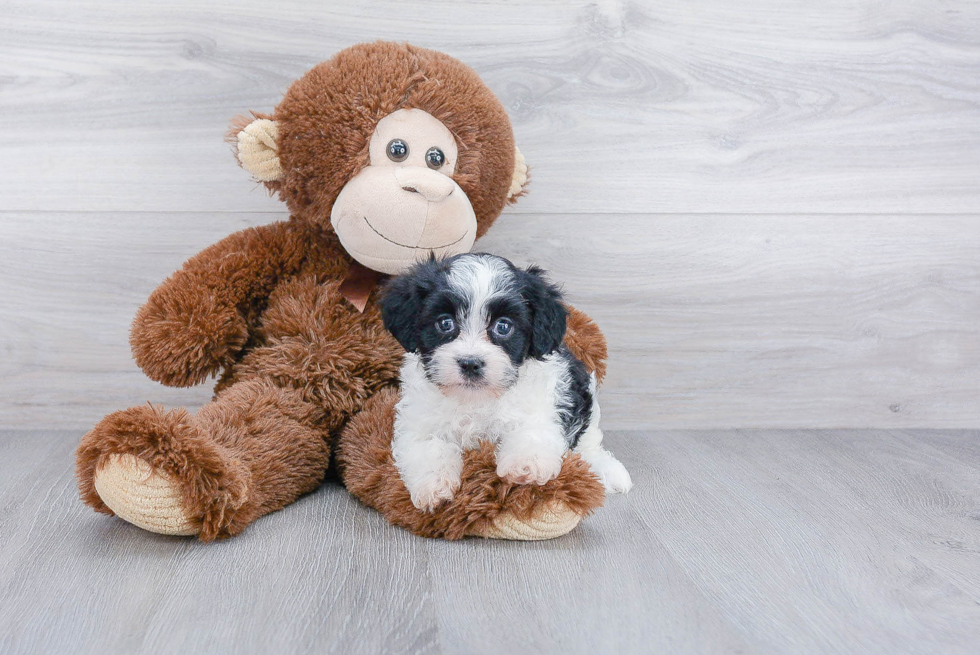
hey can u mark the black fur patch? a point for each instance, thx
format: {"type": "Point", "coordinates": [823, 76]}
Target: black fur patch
{"type": "Point", "coordinates": [518, 343]}
{"type": "Point", "coordinates": [548, 314]}
{"type": "Point", "coordinates": [575, 407]}
{"type": "Point", "coordinates": [405, 296]}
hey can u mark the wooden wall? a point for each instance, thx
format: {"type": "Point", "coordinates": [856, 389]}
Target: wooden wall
{"type": "Point", "coordinates": [772, 208]}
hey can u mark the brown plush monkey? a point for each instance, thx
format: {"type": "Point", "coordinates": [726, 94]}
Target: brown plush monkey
{"type": "Point", "coordinates": [383, 154]}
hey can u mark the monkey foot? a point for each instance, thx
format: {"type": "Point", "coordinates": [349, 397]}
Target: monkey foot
{"type": "Point", "coordinates": [147, 498]}
{"type": "Point", "coordinates": [550, 520]}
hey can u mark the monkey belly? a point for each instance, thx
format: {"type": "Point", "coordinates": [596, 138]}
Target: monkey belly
{"type": "Point", "coordinates": [312, 339]}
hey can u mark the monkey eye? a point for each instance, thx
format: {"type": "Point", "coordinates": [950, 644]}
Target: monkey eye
{"type": "Point", "coordinates": [503, 327]}
{"type": "Point", "coordinates": [397, 150]}
{"type": "Point", "coordinates": [445, 324]}
{"type": "Point", "coordinates": [435, 158]}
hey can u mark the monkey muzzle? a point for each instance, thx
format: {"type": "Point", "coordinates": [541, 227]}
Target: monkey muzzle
{"type": "Point", "coordinates": [389, 217]}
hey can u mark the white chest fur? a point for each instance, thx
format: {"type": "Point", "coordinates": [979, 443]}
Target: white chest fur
{"type": "Point", "coordinates": [466, 418]}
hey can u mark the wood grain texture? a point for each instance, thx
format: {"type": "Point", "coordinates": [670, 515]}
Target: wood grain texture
{"type": "Point", "coordinates": [713, 321]}
{"type": "Point", "coordinates": [713, 106]}
{"type": "Point", "coordinates": [732, 541]}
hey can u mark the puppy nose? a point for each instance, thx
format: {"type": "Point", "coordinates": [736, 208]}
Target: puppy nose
{"type": "Point", "coordinates": [472, 367]}
{"type": "Point", "coordinates": [434, 187]}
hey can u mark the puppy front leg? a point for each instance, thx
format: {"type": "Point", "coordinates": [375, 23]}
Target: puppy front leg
{"type": "Point", "coordinates": [430, 469]}
{"type": "Point", "coordinates": [531, 455]}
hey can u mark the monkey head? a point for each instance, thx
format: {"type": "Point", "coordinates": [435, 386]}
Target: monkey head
{"type": "Point", "coordinates": [401, 151]}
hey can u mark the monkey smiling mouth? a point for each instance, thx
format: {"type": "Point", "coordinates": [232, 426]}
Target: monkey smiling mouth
{"type": "Point", "coordinates": [452, 243]}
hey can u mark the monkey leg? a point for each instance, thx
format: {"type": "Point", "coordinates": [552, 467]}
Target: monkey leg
{"type": "Point", "coordinates": [254, 449]}
{"type": "Point", "coordinates": [484, 506]}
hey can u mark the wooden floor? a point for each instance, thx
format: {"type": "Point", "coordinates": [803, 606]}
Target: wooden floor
{"type": "Point", "coordinates": [731, 542]}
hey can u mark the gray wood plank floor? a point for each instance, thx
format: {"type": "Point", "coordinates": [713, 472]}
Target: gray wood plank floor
{"type": "Point", "coordinates": [732, 542]}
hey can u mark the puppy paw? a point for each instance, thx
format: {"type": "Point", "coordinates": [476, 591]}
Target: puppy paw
{"type": "Point", "coordinates": [610, 471]}
{"type": "Point", "coordinates": [615, 478]}
{"type": "Point", "coordinates": [434, 491]}
{"type": "Point", "coordinates": [535, 468]}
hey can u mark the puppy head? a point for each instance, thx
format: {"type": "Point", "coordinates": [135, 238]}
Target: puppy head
{"type": "Point", "coordinates": [474, 319]}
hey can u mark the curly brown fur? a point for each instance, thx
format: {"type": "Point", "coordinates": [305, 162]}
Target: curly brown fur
{"type": "Point", "coordinates": [200, 318]}
{"type": "Point", "coordinates": [368, 470]}
{"type": "Point", "coordinates": [312, 340]}
{"type": "Point", "coordinates": [584, 338]}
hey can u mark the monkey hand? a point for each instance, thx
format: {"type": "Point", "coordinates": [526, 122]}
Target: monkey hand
{"type": "Point", "coordinates": [183, 334]}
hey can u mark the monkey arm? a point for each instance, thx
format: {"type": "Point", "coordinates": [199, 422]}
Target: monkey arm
{"type": "Point", "coordinates": [586, 341]}
{"type": "Point", "coordinates": [199, 319]}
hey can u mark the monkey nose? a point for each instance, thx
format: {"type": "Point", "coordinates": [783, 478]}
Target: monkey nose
{"type": "Point", "coordinates": [434, 187]}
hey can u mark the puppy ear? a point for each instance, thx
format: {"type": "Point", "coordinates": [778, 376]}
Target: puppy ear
{"type": "Point", "coordinates": [400, 307]}
{"type": "Point", "coordinates": [548, 313]}
{"type": "Point", "coordinates": [401, 302]}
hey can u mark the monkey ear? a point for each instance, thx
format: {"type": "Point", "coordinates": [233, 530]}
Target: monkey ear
{"type": "Point", "coordinates": [518, 183]}
{"type": "Point", "coordinates": [257, 149]}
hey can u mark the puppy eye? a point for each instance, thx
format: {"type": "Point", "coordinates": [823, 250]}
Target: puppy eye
{"type": "Point", "coordinates": [503, 327]}
{"type": "Point", "coordinates": [397, 150]}
{"type": "Point", "coordinates": [445, 324]}
{"type": "Point", "coordinates": [434, 158]}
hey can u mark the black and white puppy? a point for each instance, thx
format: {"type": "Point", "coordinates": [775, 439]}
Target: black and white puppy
{"type": "Point", "coordinates": [486, 361]}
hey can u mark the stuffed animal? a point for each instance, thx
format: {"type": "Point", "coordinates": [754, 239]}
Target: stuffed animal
{"type": "Point", "coordinates": [383, 154]}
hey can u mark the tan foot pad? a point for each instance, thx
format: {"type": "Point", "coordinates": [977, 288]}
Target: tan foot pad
{"type": "Point", "coordinates": [552, 520]}
{"type": "Point", "coordinates": [146, 498]}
